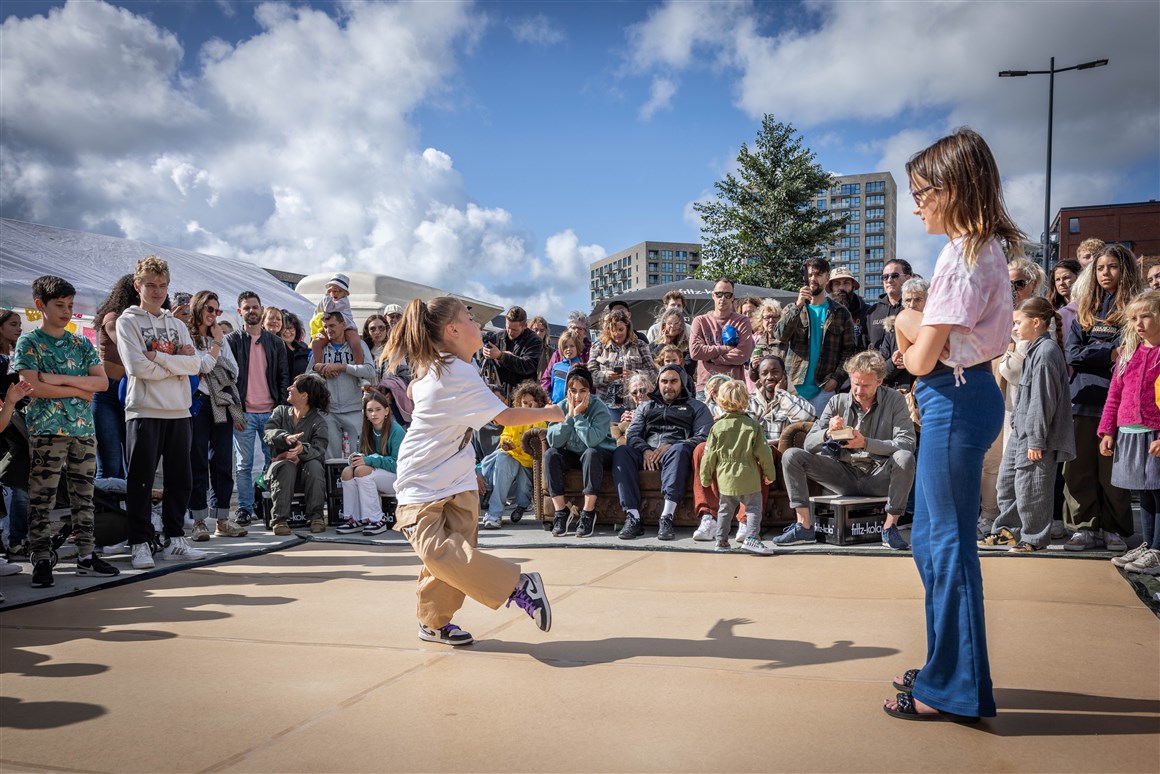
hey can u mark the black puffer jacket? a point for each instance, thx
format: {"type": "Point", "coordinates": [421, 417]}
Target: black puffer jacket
{"type": "Point", "coordinates": [655, 423]}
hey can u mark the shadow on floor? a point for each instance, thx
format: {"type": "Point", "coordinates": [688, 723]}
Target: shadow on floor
{"type": "Point", "coordinates": [26, 715]}
{"type": "Point", "coordinates": [720, 642]}
{"type": "Point", "coordinates": [1025, 712]}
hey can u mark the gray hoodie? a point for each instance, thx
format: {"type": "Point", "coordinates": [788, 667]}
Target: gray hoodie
{"type": "Point", "coordinates": [158, 388]}
{"type": "Point", "coordinates": [346, 393]}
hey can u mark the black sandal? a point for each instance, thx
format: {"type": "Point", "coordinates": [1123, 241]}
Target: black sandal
{"type": "Point", "coordinates": [907, 684]}
{"type": "Point", "coordinates": [908, 710]}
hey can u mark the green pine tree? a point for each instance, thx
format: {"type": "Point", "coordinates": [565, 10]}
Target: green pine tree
{"type": "Point", "coordinates": [764, 222]}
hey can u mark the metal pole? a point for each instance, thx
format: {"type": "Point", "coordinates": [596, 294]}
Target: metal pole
{"type": "Point", "coordinates": [1047, 186]}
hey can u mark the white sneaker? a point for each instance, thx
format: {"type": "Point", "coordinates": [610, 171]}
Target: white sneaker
{"type": "Point", "coordinates": [755, 546]}
{"type": "Point", "coordinates": [707, 530]}
{"type": "Point", "coordinates": [742, 531]}
{"type": "Point", "coordinates": [1131, 556]}
{"type": "Point", "coordinates": [179, 550]}
{"type": "Point", "coordinates": [1114, 542]}
{"type": "Point", "coordinates": [142, 556]}
{"type": "Point", "coordinates": [1148, 563]}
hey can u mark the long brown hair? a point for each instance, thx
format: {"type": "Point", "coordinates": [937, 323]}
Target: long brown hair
{"type": "Point", "coordinates": [367, 444]}
{"type": "Point", "coordinates": [419, 334]}
{"type": "Point", "coordinates": [616, 316]}
{"type": "Point", "coordinates": [1039, 308]}
{"type": "Point", "coordinates": [197, 327]}
{"type": "Point", "coordinates": [1089, 296]}
{"type": "Point", "coordinates": [963, 173]}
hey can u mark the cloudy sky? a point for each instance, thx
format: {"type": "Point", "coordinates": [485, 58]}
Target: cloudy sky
{"type": "Point", "coordinates": [497, 148]}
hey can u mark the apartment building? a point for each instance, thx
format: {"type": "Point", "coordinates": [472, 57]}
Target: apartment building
{"type": "Point", "coordinates": [642, 266]}
{"type": "Point", "coordinates": [869, 240]}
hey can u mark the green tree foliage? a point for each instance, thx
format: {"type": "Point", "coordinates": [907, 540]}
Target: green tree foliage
{"type": "Point", "coordinates": [764, 222]}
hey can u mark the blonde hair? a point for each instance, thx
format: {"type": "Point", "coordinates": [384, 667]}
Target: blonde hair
{"type": "Point", "coordinates": [1090, 245]}
{"type": "Point", "coordinates": [570, 338]}
{"type": "Point", "coordinates": [1148, 301]}
{"type": "Point", "coordinates": [418, 336]}
{"type": "Point", "coordinates": [148, 266]}
{"type": "Point", "coordinates": [1032, 271]}
{"type": "Point", "coordinates": [868, 362]}
{"type": "Point", "coordinates": [963, 173]}
{"type": "Point", "coordinates": [1089, 296]}
{"type": "Point", "coordinates": [733, 396]}
{"type": "Point", "coordinates": [683, 339]}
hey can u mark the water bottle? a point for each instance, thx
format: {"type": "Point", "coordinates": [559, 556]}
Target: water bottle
{"type": "Point", "coordinates": [345, 445]}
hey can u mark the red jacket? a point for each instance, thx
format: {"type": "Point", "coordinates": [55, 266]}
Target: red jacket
{"type": "Point", "coordinates": [1132, 394]}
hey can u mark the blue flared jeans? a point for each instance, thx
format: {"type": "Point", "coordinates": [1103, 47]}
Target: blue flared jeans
{"type": "Point", "coordinates": [959, 424]}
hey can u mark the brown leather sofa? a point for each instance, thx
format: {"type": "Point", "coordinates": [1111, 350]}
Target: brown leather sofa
{"type": "Point", "coordinates": [608, 511]}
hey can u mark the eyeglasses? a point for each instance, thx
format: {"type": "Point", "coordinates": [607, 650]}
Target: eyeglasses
{"type": "Point", "coordinates": [1020, 284]}
{"type": "Point", "coordinates": [722, 294]}
{"type": "Point", "coordinates": [213, 310]}
{"type": "Point", "coordinates": [920, 194]}
{"type": "Point", "coordinates": [891, 275]}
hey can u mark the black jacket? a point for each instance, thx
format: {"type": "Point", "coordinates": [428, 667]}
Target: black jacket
{"type": "Point", "coordinates": [521, 359]}
{"type": "Point", "coordinates": [685, 420]}
{"type": "Point", "coordinates": [860, 312]}
{"type": "Point", "coordinates": [878, 314]}
{"type": "Point", "coordinates": [1089, 353]}
{"type": "Point", "coordinates": [277, 369]}
{"type": "Point", "coordinates": [298, 359]}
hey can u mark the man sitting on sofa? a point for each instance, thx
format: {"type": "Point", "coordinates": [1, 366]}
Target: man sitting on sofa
{"type": "Point", "coordinates": [664, 432]}
{"type": "Point", "coordinates": [877, 459]}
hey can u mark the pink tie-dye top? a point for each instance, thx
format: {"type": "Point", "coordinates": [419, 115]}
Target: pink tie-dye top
{"type": "Point", "coordinates": [977, 303]}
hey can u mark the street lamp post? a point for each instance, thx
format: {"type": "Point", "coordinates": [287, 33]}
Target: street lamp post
{"type": "Point", "coordinates": [1050, 114]}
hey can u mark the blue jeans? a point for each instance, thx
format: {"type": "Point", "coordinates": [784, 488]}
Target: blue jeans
{"type": "Point", "coordinates": [109, 419]}
{"type": "Point", "coordinates": [675, 466]}
{"type": "Point", "coordinates": [244, 448]}
{"type": "Point", "coordinates": [959, 424]}
{"type": "Point", "coordinates": [505, 475]}
{"type": "Point", "coordinates": [17, 516]}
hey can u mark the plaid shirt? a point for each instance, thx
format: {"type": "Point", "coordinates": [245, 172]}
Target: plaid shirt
{"type": "Point", "coordinates": [774, 415]}
{"type": "Point", "coordinates": [837, 343]}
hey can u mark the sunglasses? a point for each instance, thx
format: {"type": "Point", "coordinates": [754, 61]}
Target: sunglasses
{"type": "Point", "coordinates": [722, 294]}
{"type": "Point", "coordinates": [639, 391]}
{"type": "Point", "coordinates": [891, 275]}
{"type": "Point", "coordinates": [213, 310]}
{"type": "Point", "coordinates": [377, 328]}
{"type": "Point", "coordinates": [1020, 284]}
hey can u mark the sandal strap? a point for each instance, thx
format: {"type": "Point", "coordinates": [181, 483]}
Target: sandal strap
{"type": "Point", "coordinates": [909, 678]}
{"type": "Point", "coordinates": [905, 703]}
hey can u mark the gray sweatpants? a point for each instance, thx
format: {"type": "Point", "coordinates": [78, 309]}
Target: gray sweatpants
{"type": "Point", "coordinates": [1026, 492]}
{"type": "Point", "coordinates": [892, 480]}
{"type": "Point", "coordinates": [728, 509]}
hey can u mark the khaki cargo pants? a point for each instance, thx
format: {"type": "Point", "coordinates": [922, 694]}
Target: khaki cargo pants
{"type": "Point", "coordinates": [444, 535]}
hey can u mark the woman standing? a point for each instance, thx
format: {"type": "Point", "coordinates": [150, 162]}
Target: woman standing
{"type": "Point", "coordinates": [108, 411]}
{"type": "Point", "coordinates": [437, 490]}
{"type": "Point", "coordinates": [765, 343]}
{"type": "Point", "coordinates": [374, 335]}
{"type": "Point", "coordinates": [615, 358]}
{"type": "Point", "coordinates": [272, 320]}
{"type": "Point", "coordinates": [1063, 278]}
{"type": "Point", "coordinates": [217, 412]}
{"type": "Point", "coordinates": [17, 460]}
{"type": "Point", "coordinates": [540, 327]}
{"type": "Point", "coordinates": [967, 323]}
{"type": "Point", "coordinates": [298, 354]}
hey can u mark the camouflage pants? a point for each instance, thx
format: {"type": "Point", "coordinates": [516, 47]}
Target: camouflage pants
{"type": "Point", "coordinates": [51, 455]}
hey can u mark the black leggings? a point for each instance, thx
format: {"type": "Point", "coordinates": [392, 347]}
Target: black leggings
{"type": "Point", "coordinates": [591, 463]}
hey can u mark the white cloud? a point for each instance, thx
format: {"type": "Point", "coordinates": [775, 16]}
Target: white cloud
{"type": "Point", "coordinates": [537, 30]}
{"type": "Point", "coordinates": [660, 97]}
{"type": "Point", "coordinates": [854, 66]}
{"type": "Point", "coordinates": [292, 148]}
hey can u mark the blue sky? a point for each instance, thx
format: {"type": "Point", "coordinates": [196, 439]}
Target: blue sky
{"type": "Point", "coordinates": [496, 148]}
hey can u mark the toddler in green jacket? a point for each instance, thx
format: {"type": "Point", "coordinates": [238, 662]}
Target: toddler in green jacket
{"type": "Point", "coordinates": [737, 454]}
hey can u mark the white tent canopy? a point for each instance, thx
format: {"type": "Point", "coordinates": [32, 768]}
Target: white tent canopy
{"type": "Point", "coordinates": [369, 293]}
{"type": "Point", "coordinates": [93, 262]}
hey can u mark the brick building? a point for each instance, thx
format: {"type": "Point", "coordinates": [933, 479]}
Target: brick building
{"type": "Point", "coordinates": [1135, 225]}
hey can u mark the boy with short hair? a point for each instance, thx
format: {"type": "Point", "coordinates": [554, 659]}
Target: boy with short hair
{"type": "Point", "coordinates": [159, 358]}
{"type": "Point", "coordinates": [335, 299]}
{"type": "Point", "coordinates": [63, 371]}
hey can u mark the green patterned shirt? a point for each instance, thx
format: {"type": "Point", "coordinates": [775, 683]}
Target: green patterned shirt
{"type": "Point", "coordinates": [69, 355]}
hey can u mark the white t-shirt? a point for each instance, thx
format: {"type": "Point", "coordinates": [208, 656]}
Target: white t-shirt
{"type": "Point", "coordinates": [437, 459]}
{"type": "Point", "coordinates": [977, 303]}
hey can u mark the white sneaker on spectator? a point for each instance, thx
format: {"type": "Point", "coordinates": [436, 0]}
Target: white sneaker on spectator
{"type": "Point", "coordinates": [1148, 563]}
{"type": "Point", "coordinates": [1131, 556]}
{"type": "Point", "coordinates": [1058, 530]}
{"type": "Point", "coordinates": [707, 530]}
{"type": "Point", "coordinates": [142, 556]}
{"type": "Point", "coordinates": [1114, 542]}
{"type": "Point", "coordinates": [179, 550]}
{"type": "Point", "coordinates": [1082, 540]}
{"type": "Point", "coordinates": [742, 531]}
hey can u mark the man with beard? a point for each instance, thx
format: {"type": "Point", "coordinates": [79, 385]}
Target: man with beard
{"type": "Point", "coordinates": [843, 288]}
{"type": "Point", "coordinates": [263, 378]}
{"type": "Point", "coordinates": [894, 276]}
{"type": "Point", "coordinates": [818, 334]}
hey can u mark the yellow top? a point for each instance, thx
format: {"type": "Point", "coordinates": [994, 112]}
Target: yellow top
{"type": "Point", "coordinates": [514, 433]}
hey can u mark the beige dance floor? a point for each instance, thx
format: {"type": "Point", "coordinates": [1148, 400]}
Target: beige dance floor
{"type": "Point", "coordinates": [306, 660]}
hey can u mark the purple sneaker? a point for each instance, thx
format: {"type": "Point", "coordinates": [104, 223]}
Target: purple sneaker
{"type": "Point", "coordinates": [530, 596]}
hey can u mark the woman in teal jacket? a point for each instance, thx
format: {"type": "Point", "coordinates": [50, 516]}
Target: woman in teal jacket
{"type": "Point", "coordinates": [583, 440]}
{"type": "Point", "coordinates": [371, 472]}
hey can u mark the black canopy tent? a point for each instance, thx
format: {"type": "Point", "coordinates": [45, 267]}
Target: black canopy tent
{"type": "Point", "coordinates": [646, 302]}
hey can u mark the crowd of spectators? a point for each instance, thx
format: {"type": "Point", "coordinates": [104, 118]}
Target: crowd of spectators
{"type": "Point", "coordinates": [272, 401]}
